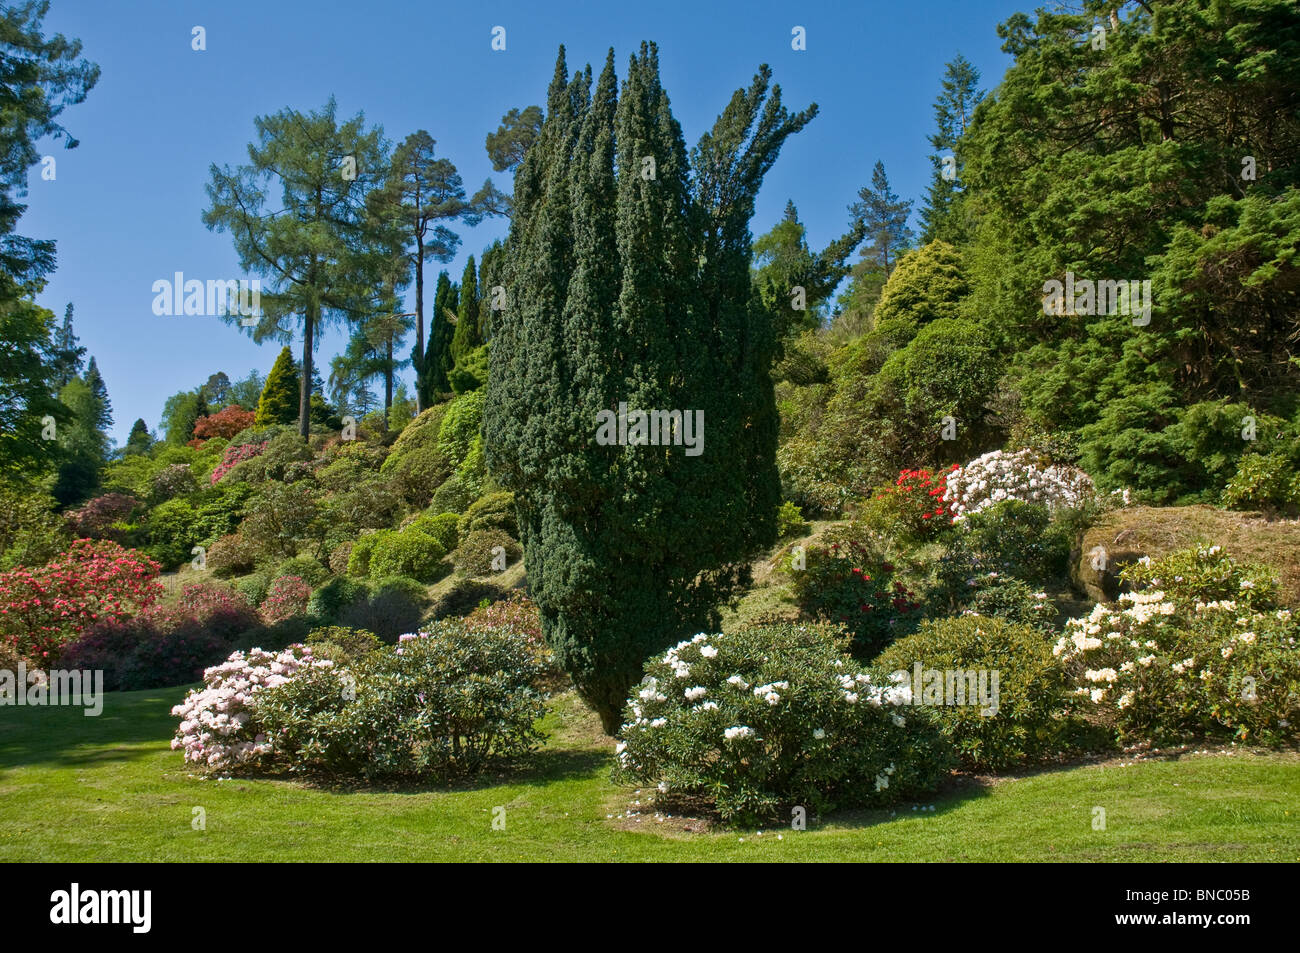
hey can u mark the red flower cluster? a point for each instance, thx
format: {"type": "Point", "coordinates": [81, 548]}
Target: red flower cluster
{"type": "Point", "coordinates": [921, 482]}
{"type": "Point", "coordinates": [42, 608]}
{"type": "Point", "coordinates": [235, 455]}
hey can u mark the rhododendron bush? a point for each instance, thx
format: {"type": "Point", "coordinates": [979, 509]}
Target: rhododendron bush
{"type": "Point", "coordinates": [1186, 660]}
{"type": "Point", "coordinates": [847, 579]}
{"type": "Point", "coordinates": [236, 455]}
{"type": "Point", "coordinates": [997, 476]}
{"type": "Point", "coordinates": [440, 703]}
{"type": "Point", "coordinates": [773, 716]}
{"type": "Point", "coordinates": [217, 730]}
{"type": "Point", "coordinates": [287, 598]}
{"type": "Point", "coordinates": [94, 580]}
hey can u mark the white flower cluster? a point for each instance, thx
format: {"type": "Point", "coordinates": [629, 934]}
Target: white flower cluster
{"type": "Point", "coordinates": [999, 475]}
{"type": "Point", "coordinates": [215, 720]}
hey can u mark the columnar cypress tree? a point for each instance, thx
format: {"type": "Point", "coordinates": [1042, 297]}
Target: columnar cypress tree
{"type": "Point", "coordinates": [279, 401]}
{"type": "Point", "coordinates": [466, 337]}
{"type": "Point", "coordinates": [437, 356]}
{"type": "Point", "coordinates": [630, 547]}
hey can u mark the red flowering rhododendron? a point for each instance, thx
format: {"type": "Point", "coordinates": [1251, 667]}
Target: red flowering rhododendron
{"type": "Point", "coordinates": [920, 497]}
{"type": "Point", "coordinates": [94, 580]}
{"type": "Point", "coordinates": [234, 455]}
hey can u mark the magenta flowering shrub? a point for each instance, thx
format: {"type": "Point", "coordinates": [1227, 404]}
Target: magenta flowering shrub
{"type": "Point", "coordinates": [287, 598]}
{"type": "Point", "coordinates": [218, 730]}
{"type": "Point", "coordinates": [96, 518]}
{"type": "Point", "coordinates": [236, 455]}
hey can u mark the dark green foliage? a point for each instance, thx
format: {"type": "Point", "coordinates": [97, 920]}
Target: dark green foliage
{"type": "Point", "coordinates": [467, 338]}
{"type": "Point", "coordinates": [336, 595]}
{"type": "Point", "coordinates": [942, 216]}
{"type": "Point", "coordinates": [438, 358]}
{"type": "Point", "coordinates": [634, 288]}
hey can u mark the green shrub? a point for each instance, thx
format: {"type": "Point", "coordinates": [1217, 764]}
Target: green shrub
{"type": "Point", "coordinates": [1027, 687]}
{"type": "Point", "coordinates": [336, 595]}
{"type": "Point", "coordinates": [847, 579]}
{"type": "Point", "coordinates": [359, 557]}
{"type": "Point", "coordinates": [342, 644]}
{"type": "Point", "coordinates": [1011, 600]}
{"type": "Point", "coordinates": [475, 555]}
{"type": "Point", "coordinates": [770, 717]}
{"type": "Point", "coordinates": [1011, 538]}
{"type": "Point", "coordinates": [415, 466]}
{"type": "Point", "coordinates": [451, 497]}
{"type": "Point", "coordinates": [789, 521]}
{"type": "Point", "coordinates": [1156, 668]}
{"type": "Point", "coordinates": [254, 587]}
{"type": "Point", "coordinates": [441, 527]}
{"type": "Point", "coordinates": [408, 553]}
{"type": "Point", "coordinates": [460, 426]}
{"type": "Point", "coordinates": [494, 511]}
{"type": "Point", "coordinates": [231, 555]}
{"type": "Point", "coordinates": [395, 607]}
{"type": "Point", "coordinates": [340, 555]}
{"type": "Point", "coordinates": [305, 568]}
{"type": "Point", "coordinates": [443, 704]}
{"type": "Point", "coordinates": [1204, 573]}
{"type": "Point", "coordinates": [1266, 482]}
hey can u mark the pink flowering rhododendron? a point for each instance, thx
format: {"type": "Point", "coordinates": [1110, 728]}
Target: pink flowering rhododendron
{"type": "Point", "coordinates": [94, 580]}
{"type": "Point", "coordinates": [218, 728]}
{"type": "Point", "coordinates": [287, 597]}
{"type": "Point", "coordinates": [234, 455]}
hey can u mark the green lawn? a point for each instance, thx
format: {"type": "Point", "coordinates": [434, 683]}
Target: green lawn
{"type": "Point", "coordinates": [109, 788]}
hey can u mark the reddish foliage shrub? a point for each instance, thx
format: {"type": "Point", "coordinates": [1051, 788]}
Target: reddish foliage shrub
{"type": "Point", "coordinates": [224, 423]}
{"type": "Point", "coordinates": [94, 580]}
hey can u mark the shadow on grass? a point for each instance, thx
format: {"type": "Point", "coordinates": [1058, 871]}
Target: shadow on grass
{"type": "Point", "coordinates": [130, 726]}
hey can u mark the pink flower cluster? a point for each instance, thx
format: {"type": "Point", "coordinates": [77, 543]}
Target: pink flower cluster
{"type": "Point", "coordinates": [234, 455]}
{"type": "Point", "coordinates": [218, 728]}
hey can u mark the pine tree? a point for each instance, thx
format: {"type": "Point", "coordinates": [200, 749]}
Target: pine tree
{"type": "Point", "coordinates": [279, 401]}
{"type": "Point", "coordinates": [99, 390]}
{"type": "Point", "coordinates": [631, 287]}
{"type": "Point", "coordinates": [953, 110]}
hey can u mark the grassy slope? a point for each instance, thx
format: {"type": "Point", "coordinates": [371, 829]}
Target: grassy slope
{"type": "Point", "coordinates": [108, 788]}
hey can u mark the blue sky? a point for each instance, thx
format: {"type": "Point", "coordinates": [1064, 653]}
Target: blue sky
{"type": "Point", "coordinates": [126, 205]}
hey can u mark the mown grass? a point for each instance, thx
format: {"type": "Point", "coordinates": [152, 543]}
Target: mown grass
{"type": "Point", "coordinates": [110, 789]}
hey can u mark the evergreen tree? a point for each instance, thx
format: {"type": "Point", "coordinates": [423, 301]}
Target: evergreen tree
{"type": "Point", "coordinates": [69, 355]}
{"type": "Point", "coordinates": [218, 391]}
{"type": "Point", "coordinates": [424, 195]}
{"type": "Point", "coordinates": [99, 390]}
{"type": "Point", "coordinates": [442, 328]}
{"type": "Point", "coordinates": [953, 111]}
{"type": "Point", "coordinates": [27, 386]}
{"type": "Point", "coordinates": [630, 286]}
{"type": "Point", "coordinates": [322, 254]}
{"type": "Point", "coordinates": [491, 275]}
{"type": "Point", "coordinates": [179, 415]}
{"type": "Point", "coordinates": [139, 441]}
{"type": "Point", "coordinates": [514, 137]}
{"type": "Point", "coordinates": [248, 391]}
{"type": "Point", "coordinates": [279, 401]}
{"type": "Point", "coordinates": [466, 337]}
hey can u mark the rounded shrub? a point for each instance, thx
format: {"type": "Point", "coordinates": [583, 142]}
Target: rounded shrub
{"type": "Point", "coordinates": [442, 704]}
{"type": "Point", "coordinates": [475, 555]}
{"type": "Point", "coordinates": [342, 644]}
{"type": "Point", "coordinates": [494, 511]}
{"type": "Point", "coordinates": [408, 553]}
{"type": "Point", "coordinates": [1021, 714]}
{"type": "Point", "coordinates": [441, 527]}
{"type": "Point", "coordinates": [306, 568]}
{"type": "Point", "coordinates": [770, 717]}
{"type": "Point", "coordinates": [336, 595]}
{"type": "Point", "coordinates": [451, 497]}
{"type": "Point", "coordinates": [359, 555]}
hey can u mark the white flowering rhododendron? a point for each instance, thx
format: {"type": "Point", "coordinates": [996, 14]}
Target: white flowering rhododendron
{"type": "Point", "coordinates": [218, 729]}
{"type": "Point", "coordinates": [997, 476]}
{"type": "Point", "coordinates": [760, 696]}
{"type": "Point", "coordinates": [1159, 665]}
